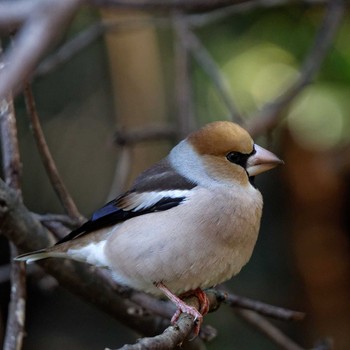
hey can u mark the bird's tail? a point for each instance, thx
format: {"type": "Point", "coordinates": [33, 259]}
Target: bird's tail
{"type": "Point", "coordinates": [38, 255]}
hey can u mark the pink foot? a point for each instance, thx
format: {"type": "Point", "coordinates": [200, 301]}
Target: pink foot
{"type": "Point", "coordinates": [202, 299]}
{"type": "Point", "coordinates": [182, 307]}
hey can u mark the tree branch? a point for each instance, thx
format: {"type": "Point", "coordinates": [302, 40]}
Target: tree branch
{"type": "Point", "coordinates": [183, 83]}
{"type": "Point", "coordinates": [185, 5]}
{"type": "Point", "coordinates": [44, 22]}
{"type": "Point", "coordinates": [209, 66]}
{"type": "Point", "coordinates": [91, 284]}
{"type": "Point", "coordinates": [172, 337]}
{"type": "Point", "coordinates": [262, 308]}
{"type": "Point", "coordinates": [269, 116]}
{"type": "Point", "coordinates": [47, 159]}
{"type": "Point", "coordinates": [268, 329]}
{"type": "Point", "coordinates": [12, 169]}
{"type": "Point", "coordinates": [204, 19]}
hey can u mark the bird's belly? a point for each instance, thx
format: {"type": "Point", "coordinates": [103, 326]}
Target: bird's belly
{"type": "Point", "coordinates": [184, 253]}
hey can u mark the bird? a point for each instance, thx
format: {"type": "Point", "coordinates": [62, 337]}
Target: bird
{"type": "Point", "coordinates": [186, 224]}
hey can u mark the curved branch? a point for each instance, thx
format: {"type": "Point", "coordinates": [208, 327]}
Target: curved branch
{"type": "Point", "coordinates": [47, 159]}
{"type": "Point", "coordinates": [268, 329]}
{"type": "Point", "coordinates": [268, 117]}
{"type": "Point", "coordinates": [44, 26]}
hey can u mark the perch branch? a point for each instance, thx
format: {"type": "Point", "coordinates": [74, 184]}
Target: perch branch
{"type": "Point", "coordinates": [171, 338]}
{"type": "Point", "coordinates": [92, 285]}
{"type": "Point", "coordinates": [268, 117]}
{"type": "Point", "coordinates": [47, 159]}
{"type": "Point", "coordinates": [12, 169]}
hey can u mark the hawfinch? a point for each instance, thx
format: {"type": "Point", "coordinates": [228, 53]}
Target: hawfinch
{"type": "Point", "coordinates": [187, 223]}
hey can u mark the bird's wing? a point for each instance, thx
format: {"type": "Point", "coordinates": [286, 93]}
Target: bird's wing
{"type": "Point", "coordinates": [157, 189]}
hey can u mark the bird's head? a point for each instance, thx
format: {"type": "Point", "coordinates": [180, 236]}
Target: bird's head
{"type": "Point", "coordinates": [228, 152]}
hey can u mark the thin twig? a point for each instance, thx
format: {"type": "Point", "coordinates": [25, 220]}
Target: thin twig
{"type": "Point", "coordinates": [207, 18]}
{"type": "Point", "coordinates": [12, 168]}
{"type": "Point", "coordinates": [89, 35]}
{"type": "Point", "coordinates": [268, 329]}
{"type": "Point", "coordinates": [192, 43]}
{"type": "Point", "coordinates": [43, 24]}
{"type": "Point", "coordinates": [47, 159]}
{"type": "Point", "coordinates": [268, 117]}
{"type": "Point", "coordinates": [260, 307]}
{"type": "Point", "coordinates": [185, 5]}
{"type": "Point", "coordinates": [63, 219]}
{"type": "Point", "coordinates": [183, 83]}
{"type": "Point", "coordinates": [146, 133]}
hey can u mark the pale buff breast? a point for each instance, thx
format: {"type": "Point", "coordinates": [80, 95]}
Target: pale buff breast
{"type": "Point", "coordinates": [196, 244]}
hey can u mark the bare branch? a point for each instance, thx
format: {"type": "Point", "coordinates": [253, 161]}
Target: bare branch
{"type": "Point", "coordinates": [11, 162]}
{"type": "Point", "coordinates": [49, 163]}
{"type": "Point", "coordinates": [208, 64]}
{"type": "Point", "coordinates": [204, 19]}
{"type": "Point", "coordinates": [259, 307]}
{"type": "Point", "coordinates": [12, 169]}
{"type": "Point", "coordinates": [172, 337]}
{"type": "Point", "coordinates": [151, 133]}
{"type": "Point", "coordinates": [63, 219]}
{"type": "Point", "coordinates": [86, 37]}
{"type": "Point", "coordinates": [183, 83]}
{"type": "Point", "coordinates": [42, 28]}
{"type": "Point", "coordinates": [91, 284]}
{"type": "Point", "coordinates": [17, 307]}
{"type": "Point", "coordinates": [274, 334]}
{"type": "Point", "coordinates": [13, 14]}
{"type": "Point", "coordinates": [268, 329]}
{"type": "Point", "coordinates": [266, 119]}
{"type": "Point", "coordinates": [186, 5]}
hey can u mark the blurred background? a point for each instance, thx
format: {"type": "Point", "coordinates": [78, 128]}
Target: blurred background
{"type": "Point", "coordinates": [129, 80]}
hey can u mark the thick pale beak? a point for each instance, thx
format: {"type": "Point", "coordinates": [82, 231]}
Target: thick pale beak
{"type": "Point", "coordinates": [261, 161]}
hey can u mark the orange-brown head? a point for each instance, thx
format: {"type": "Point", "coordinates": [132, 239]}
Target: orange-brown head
{"type": "Point", "coordinates": [229, 153]}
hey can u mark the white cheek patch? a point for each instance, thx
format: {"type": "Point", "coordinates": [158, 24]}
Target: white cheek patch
{"type": "Point", "coordinates": [92, 253]}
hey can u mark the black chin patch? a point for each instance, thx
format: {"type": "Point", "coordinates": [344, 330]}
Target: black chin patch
{"type": "Point", "coordinates": [252, 180]}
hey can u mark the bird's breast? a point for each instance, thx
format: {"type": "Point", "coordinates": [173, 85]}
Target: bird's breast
{"type": "Point", "coordinates": [199, 243]}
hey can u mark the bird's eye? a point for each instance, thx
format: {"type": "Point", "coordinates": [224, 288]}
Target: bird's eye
{"type": "Point", "coordinates": [235, 157]}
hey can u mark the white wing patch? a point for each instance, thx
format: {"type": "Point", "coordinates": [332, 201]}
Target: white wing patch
{"type": "Point", "coordinates": [139, 201]}
{"type": "Point", "coordinates": [92, 253]}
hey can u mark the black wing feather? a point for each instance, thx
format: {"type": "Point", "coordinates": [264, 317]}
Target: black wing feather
{"type": "Point", "coordinates": [110, 214]}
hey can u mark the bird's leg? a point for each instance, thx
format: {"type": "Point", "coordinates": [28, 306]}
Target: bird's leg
{"type": "Point", "coordinates": [202, 299]}
{"type": "Point", "coordinates": [183, 307]}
